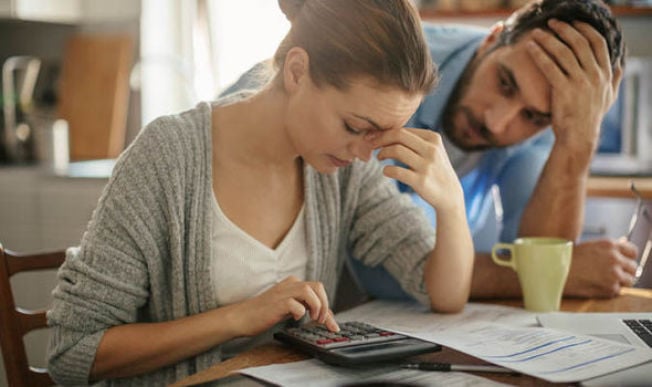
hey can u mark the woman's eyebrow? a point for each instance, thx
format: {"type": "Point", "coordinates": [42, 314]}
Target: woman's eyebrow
{"type": "Point", "coordinates": [372, 122]}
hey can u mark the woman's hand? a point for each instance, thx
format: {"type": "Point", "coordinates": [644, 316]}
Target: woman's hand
{"type": "Point", "coordinates": [427, 167]}
{"type": "Point", "coordinates": [288, 298]}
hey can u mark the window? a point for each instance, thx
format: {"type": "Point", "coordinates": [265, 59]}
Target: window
{"type": "Point", "coordinates": [191, 50]}
{"type": "Point", "coordinates": [242, 33]}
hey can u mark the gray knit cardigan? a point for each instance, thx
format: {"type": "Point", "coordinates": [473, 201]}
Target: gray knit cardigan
{"type": "Point", "coordinates": [145, 254]}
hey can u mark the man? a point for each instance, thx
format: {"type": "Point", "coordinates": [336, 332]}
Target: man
{"type": "Point", "coordinates": [502, 89]}
{"type": "Point", "coordinates": [553, 64]}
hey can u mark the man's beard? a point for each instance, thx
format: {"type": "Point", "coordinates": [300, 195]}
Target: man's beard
{"type": "Point", "coordinates": [453, 107]}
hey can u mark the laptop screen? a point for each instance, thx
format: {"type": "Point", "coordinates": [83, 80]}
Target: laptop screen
{"type": "Point", "coordinates": [640, 233]}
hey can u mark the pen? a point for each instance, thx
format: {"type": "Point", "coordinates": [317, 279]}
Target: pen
{"type": "Point", "coordinates": [456, 367]}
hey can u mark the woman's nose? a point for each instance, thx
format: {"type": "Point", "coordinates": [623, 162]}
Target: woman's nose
{"type": "Point", "coordinates": [362, 149]}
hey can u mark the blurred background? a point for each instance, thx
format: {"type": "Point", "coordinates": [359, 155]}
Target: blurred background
{"type": "Point", "coordinates": [108, 68]}
{"type": "Point", "coordinates": [80, 78]}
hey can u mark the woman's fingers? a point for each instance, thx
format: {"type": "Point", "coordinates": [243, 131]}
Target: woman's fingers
{"type": "Point", "coordinates": [404, 175]}
{"type": "Point", "coordinates": [415, 148]}
{"type": "Point", "coordinates": [416, 140]}
{"type": "Point", "coordinates": [319, 290]}
{"type": "Point", "coordinates": [311, 297]}
{"type": "Point", "coordinates": [330, 322]}
{"type": "Point", "coordinates": [400, 153]}
{"type": "Point", "coordinates": [295, 308]}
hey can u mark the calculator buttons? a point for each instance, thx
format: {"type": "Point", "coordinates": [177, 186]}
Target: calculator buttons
{"type": "Point", "coordinates": [350, 333]}
{"type": "Point", "coordinates": [356, 343]}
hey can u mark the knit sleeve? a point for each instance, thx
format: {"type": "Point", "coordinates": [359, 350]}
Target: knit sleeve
{"type": "Point", "coordinates": [105, 281]}
{"type": "Point", "coordinates": [388, 228]}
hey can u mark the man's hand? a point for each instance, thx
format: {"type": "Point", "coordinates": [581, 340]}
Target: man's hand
{"type": "Point", "coordinates": [601, 267]}
{"type": "Point", "coordinates": [575, 60]}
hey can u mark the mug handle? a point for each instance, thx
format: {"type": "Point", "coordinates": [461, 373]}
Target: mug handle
{"type": "Point", "coordinates": [503, 262]}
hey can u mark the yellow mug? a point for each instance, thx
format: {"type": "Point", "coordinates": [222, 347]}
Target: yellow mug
{"type": "Point", "coordinates": [542, 266]}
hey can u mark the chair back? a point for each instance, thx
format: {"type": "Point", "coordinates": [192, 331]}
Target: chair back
{"type": "Point", "coordinates": [17, 322]}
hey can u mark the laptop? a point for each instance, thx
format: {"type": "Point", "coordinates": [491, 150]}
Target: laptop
{"type": "Point", "coordinates": [640, 233]}
{"type": "Point", "coordinates": [628, 328]}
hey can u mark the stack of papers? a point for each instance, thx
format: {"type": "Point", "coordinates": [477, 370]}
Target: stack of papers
{"type": "Point", "coordinates": [509, 337]}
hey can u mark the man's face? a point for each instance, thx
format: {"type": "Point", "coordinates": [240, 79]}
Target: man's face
{"type": "Point", "coordinates": [502, 99]}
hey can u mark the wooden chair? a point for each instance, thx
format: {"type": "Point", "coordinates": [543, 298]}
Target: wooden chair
{"type": "Point", "coordinates": [17, 322]}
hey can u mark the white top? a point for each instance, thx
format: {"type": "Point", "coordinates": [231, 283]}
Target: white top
{"type": "Point", "coordinates": [243, 267]}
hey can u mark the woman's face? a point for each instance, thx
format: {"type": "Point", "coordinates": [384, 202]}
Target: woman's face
{"type": "Point", "coordinates": [329, 128]}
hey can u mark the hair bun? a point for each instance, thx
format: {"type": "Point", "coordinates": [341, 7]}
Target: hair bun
{"type": "Point", "coordinates": [291, 8]}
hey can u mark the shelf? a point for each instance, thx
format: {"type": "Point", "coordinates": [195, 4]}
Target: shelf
{"type": "Point", "coordinates": [504, 12]}
{"type": "Point", "coordinates": [619, 187]}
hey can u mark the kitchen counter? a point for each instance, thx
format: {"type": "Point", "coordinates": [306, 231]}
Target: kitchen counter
{"type": "Point", "coordinates": [99, 169]}
{"type": "Point", "coordinates": [88, 169]}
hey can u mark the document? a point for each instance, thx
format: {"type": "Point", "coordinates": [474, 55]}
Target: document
{"type": "Point", "coordinates": [316, 373]}
{"type": "Point", "coordinates": [414, 317]}
{"type": "Point", "coordinates": [508, 337]}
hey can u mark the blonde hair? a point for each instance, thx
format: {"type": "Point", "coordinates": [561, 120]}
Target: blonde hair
{"type": "Point", "coordinates": [344, 39]}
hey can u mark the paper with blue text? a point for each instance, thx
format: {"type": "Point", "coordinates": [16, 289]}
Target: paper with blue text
{"type": "Point", "coordinates": [506, 336]}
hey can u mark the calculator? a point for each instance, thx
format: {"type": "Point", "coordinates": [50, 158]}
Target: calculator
{"type": "Point", "coordinates": [357, 343]}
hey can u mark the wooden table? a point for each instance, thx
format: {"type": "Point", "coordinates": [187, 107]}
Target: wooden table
{"type": "Point", "coordinates": [630, 300]}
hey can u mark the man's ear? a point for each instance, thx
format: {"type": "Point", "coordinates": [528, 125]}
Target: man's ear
{"type": "Point", "coordinates": [492, 38]}
{"type": "Point", "coordinates": [295, 68]}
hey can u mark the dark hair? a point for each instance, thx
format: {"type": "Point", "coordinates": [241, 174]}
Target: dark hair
{"type": "Point", "coordinates": [380, 39]}
{"type": "Point", "coordinates": [594, 12]}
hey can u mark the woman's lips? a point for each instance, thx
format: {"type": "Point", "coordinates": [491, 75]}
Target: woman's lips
{"type": "Point", "coordinates": [339, 162]}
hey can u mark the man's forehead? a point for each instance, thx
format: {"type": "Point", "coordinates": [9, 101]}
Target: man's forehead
{"type": "Point", "coordinates": [516, 62]}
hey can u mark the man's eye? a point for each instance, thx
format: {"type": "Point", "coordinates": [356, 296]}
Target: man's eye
{"type": "Point", "coordinates": [351, 130]}
{"type": "Point", "coordinates": [536, 119]}
{"type": "Point", "coordinates": [541, 121]}
{"type": "Point", "coordinates": [505, 86]}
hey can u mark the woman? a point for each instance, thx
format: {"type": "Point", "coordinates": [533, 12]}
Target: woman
{"type": "Point", "coordinates": [222, 222]}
